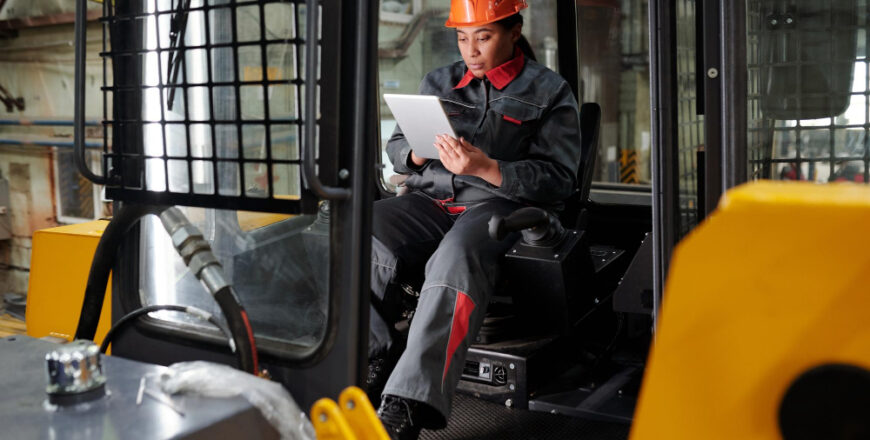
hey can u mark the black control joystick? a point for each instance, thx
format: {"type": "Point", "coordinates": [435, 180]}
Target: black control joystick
{"type": "Point", "coordinates": [539, 227]}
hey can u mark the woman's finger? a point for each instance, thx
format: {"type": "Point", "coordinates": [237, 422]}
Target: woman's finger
{"type": "Point", "coordinates": [466, 145]}
{"type": "Point", "coordinates": [446, 142]}
{"type": "Point", "coordinates": [443, 150]}
{"type": "Point", "coordinates": [445, 146]}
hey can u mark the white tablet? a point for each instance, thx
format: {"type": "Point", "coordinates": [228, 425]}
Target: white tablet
{"type": "Point", "coordinates": [421, 118]}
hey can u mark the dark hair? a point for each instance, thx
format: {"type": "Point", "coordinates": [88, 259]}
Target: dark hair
{"type": "Point", "coordinates": [508, 23]}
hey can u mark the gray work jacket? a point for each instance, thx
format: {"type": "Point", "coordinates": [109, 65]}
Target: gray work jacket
{"type": "Point", "coordinates": [531, 127]}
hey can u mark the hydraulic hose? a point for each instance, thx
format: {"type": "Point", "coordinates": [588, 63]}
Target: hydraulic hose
{"type": "Point", "coordinates": [201, 261]}
{"type": "Point", "coordinates": [101, 266]}
{"type": "Point", "coordinates": [132, 316]}
{"type": "Point", "coordinates": [197, 255]}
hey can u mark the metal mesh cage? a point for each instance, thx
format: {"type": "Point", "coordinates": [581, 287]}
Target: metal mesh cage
{"type": "Point", "coordinates": [807, 90]}
{"type": "Point", "coordinates": [203, 103]}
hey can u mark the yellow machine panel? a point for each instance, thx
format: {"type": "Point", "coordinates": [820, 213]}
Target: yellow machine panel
{"type": "Point", "coordinates": [771, 285]}
{"type": "Point", "coordinates": [252, 220]}
{"type": "Point", "coordinates": [60, 261]}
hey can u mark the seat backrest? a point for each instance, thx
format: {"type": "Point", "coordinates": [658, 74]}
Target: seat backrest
{"type": "Point", "coordinates": [590, 123]}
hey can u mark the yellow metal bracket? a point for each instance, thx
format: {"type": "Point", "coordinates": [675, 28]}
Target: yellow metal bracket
{"type": "Point", "coordinates": [351, 419]}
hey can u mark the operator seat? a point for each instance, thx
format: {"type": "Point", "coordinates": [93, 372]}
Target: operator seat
{"type": "Point", "coordinates": [544, 270]}
{"type": "Point", "coordinates": [575, 206]}
{"type": "Point", "coordinates": [553, 306]}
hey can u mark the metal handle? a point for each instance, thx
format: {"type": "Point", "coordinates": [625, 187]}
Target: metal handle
{"type": "Point", "coordinates": [308, 167]}
{"type": "Point", "coordinates": [79, 104]}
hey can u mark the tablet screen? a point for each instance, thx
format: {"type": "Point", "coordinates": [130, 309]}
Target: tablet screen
{"type": "Point", "coordinates": [421, 118]}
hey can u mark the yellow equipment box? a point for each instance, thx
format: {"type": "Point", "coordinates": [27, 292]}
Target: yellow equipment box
{"type": "Point", "coordinates": [60, 261]}
{"type": "Point", "coordinates": [771, 285]}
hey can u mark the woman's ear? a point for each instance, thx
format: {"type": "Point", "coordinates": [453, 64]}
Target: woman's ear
{"type": "Point", "coordinates": [516, 33]}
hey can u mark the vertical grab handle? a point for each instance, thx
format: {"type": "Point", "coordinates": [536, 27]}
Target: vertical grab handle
{"type": "Point", "coordinates": [81, 24]}
{"type": "Point", "coordinates": [308, 166]}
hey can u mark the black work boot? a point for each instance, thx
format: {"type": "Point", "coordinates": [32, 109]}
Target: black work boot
{"type": "Point", "coordinates": [380, 368]}
{"type": "Point", "coordinates": [397, 415]}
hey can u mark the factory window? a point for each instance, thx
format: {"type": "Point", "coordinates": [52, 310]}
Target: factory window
{"type": "Point", "coordinates": [614, 72]}
{"type": "Point", "coordinates": [808, 88]}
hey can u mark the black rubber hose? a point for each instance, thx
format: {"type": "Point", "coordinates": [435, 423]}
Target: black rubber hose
{"type": "Point", "coordinates": [104, 258]}
{"type": "Point", "coordinates": [132, 316]}
{"type": "Point", "coordinates": [240, 329]}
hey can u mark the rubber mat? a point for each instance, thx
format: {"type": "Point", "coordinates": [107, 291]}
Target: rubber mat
{"type": "Point", "coordinates": [476, 419]}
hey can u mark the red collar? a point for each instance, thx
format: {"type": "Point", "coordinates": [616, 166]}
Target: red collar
{"type": "Point", "coordinates": [500, 76]}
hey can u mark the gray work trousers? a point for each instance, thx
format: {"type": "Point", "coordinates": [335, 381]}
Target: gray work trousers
{"type": "Point", "coordinates": [416, 237]}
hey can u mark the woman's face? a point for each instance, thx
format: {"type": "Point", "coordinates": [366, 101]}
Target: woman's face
{"type": "Point", "coordinates": [486, 47]}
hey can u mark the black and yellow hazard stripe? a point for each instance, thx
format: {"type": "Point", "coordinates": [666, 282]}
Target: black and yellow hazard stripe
{"type": "Point", "coordinates": [628, 167]}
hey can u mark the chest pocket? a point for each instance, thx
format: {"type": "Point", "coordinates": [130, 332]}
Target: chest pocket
{"type": "Point", "coordinates": [455, 108]}
{"type": "Point", "coordinates": [515, 111]}
{"type": "Point", "coordinates": [510, 127]}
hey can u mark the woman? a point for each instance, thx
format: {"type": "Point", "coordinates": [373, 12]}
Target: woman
{"type": "Point", "coordinates": [518, 145]}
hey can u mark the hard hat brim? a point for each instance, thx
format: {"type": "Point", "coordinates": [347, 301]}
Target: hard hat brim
{"type": "Point", "coordinates": [454, 24]}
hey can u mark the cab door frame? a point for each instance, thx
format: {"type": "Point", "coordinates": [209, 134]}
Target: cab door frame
{"type": "Point", "coordinates": [721, 80]}
{"type": "Point", "coordinates": [340, 359]}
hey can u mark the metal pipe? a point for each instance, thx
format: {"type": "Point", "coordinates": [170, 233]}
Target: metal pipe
{"type": "Point", "coordinates": [47, 122]}
{"type": "Point", "coordinates": [49, 143]}
{"type": "Point", "coordinates": [49, 20]}
{"type": "Point", "coordinates": [49, 45]}
{"type": "Point", "coordinates": [197, 254]}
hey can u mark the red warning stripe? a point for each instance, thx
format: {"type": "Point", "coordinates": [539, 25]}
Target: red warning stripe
{"type": "Point", "coordinates": [459, 328]}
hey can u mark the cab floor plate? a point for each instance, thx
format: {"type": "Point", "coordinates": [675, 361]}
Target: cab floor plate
{"type": "Point", "coordinates": [477, 419]}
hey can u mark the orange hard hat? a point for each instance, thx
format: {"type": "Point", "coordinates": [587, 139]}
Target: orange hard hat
{"type": "Point", "coordinates": [481, 12]}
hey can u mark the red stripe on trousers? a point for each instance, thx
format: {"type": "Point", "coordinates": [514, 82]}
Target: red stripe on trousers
{"type": "Point", "coordinates": [459, 328]}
